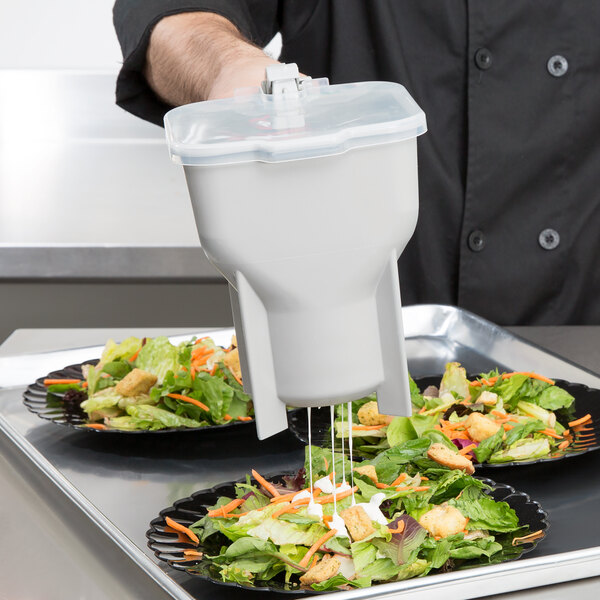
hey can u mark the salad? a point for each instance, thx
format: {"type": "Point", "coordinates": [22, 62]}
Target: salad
{"type": "Point", "coordinates": [401, 515]}
{"type": "Point", "coordinates": [496, 418]}
{"type": "Point", "coordinates": [150, 384]}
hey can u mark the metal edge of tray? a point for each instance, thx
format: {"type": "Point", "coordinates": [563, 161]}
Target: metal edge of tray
{"type": "Point", "coordinates": [153, 570]}
{"type": "Point", "coordinates": [525, 573]}
{"type": "Point", "coordinates": [457, 322]}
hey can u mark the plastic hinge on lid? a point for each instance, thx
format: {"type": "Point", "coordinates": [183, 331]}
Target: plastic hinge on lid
{"type": "Point", "coordinates": [292, 117]}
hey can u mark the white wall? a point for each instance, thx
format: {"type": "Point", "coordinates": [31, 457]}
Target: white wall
{"type": "Point", "coordinates": [58, 34]}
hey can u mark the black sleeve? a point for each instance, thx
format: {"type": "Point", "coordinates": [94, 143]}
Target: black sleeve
{"type": "Point", "coordinates": [134, 20]}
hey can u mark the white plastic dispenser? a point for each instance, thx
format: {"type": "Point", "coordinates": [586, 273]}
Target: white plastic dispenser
{"type": "Point", "coordinates": [305, 194]}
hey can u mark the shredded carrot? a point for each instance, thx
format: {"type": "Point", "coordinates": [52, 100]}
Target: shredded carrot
{"type": "Point", "coordinates": [244, 418]}
{"type": "Point", "coordinates": [193, 553]}
{"type": "Point", "coordinates": [269, 487]}
{"type": "Point", "coordinates": [134, 355]}
{"type": "Point", "coordinates": [235, 377]}
{"type": "Point", "coordinates": [329, 497]}
{"type": "Point", "coordinates": [381, 486]}
{"type": "Point", "coordinates": [326, 464]}
{"type": "Point", "coordinates": [497, 413]}
{"type": "Point", "coordinates": [287, 497]}
{"type": "Point", "coordinates": [327, 518]}
{"type": "Point", "coordinates": [180, 537]}
{"type": "Point", "coordinates": [61, 381]}
{"type": "Point", "coordinates": [467, 449]}
{"type": "Point", "coordinates": [508, 427]}
{"type": "Point", "coordinates": [190, 400]}
{"type": "Point", "coordinates": [285, 509]}
{"type": "Point", "coordinates": [314, 562]}
{"type": "Point", "coordinates": [213, 370]}
{"type": "Point", "coordinates": [400, 479]}
{"type": "Point", "coordinates": [581, 428]}
{"type": "Point", "coordinates": [95, 426]}
{"type": "Point", "coordinates": [563, 445]}
{"type": "Point", "coordinates": [423, 478]}
{"type": "Point", "coordinates": [202, 361]}
{"type": "Point", "coordinates": [492, 380]}
{"type": "Point", "coordinates": [201, 339]}
{"type": "Point", "coordinates": [566, 432]}
{"type": "Point", "coordinates": [398, 529]}
{"type": "Point", "coordinates": [421, 488]}
{"type": "Point", "coordinates": [226, 508]}
{"type": "Point", "coordinates": [551, 433]}
{"type": "Point", "coordinates": [227, 417]}
{"type": "Point", "coordinates": [367, 427]}
{"type": "Point", "coordinates": [423, 409]}
{"type": "Point", "coordinates": [306, 559]}
{"type": "Point", "coordinates": [581, 421]}
{"type": "Point", "coordinates": [183, 529]}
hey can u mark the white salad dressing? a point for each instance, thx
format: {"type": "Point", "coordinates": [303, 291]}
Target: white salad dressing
{"type": "Point", "coordinates": [349, 407]}
{"type": "Point", "coordinates": [332, 417]}
{"type": "Point", "coordinates": [338, 524]}
{"type": "Point", "coordinates": [314, 510]}
{"type": "Point", "coordinates": [372, 508]}
{"type": "Point", "coordinates": [343, 449]}
{"type": "Point", "coordinates": [325, 485]}
{"type": "Point", "coordinates": [301, 495]}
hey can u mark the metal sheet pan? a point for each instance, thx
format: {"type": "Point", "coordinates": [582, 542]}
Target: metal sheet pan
{"type": "Point", "coordinates": [122, 486]}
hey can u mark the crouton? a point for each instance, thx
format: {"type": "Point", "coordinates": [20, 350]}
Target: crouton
{"type": "Point", "coordinates": [232, 362]}
{"type": "Point", "coordinates": [357, 522]}
{"type": "Point", "coordinates": [443, 520]}
{"type": "Point", "coordinates": [325, 569]}
{"type": "Point", "coordinates": [488, 398]}
{"type": "Point", "coordinates": [369, 471]}
{"type": "Point", "coordinates": [136, 382]}
{"type": "Point", "coordinates": [368, 414]}
{"type": "Point", "coordinates": [480, 427]}
{"type": "Point", "coordinates": [444, 456]}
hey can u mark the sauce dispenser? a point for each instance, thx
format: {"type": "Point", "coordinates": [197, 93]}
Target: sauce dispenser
{"type": "Point", "coordinates": [304, 195]}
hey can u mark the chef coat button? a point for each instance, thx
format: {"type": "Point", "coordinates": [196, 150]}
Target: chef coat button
{"type": "Point", "coordinates": [476, 241]}
{"type": "Point", "coordinates": [557, 65]}
{"type": "Point", "coordinates": [549, 239]}
{"type": "Point", "coordinates": [483, 59]}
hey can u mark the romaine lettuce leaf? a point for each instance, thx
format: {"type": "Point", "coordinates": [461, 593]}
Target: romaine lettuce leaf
{"type": "Point", "coordinates": [454, 380]}
{"type": "Point", "coordinates": [158, 418]}
{"type": "Point", "coordinates": [113, 351]}
{"type": "Point", "coordinates": [554, 397]}
{"type": "Point", "coordinates": [484, 512]}
{"type": "Point", "coordinates": [158, 356]}
{"type": "Point", "coordinates": [338, 581]}
{"type": "Point", "coordinates": [524, 449]}
{"type": "Point", "coordinates": [400, 430]}
{"type": "Point", "coordinates": [284, 532]}
{"type": "Point", "coordinates": [489, 446]}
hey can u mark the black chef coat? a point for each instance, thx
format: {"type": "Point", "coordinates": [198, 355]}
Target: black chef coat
{"type": "Point", "coordinates": [509, 172]}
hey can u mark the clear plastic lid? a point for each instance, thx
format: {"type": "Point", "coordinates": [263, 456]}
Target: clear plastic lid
{"type": "Point", "coordinates": [311, 119]}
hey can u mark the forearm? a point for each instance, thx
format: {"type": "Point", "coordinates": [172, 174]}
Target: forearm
{"type": "Point", "coordinates": [200, 56]}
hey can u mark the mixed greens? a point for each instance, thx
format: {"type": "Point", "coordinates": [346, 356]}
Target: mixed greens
{"type": "Point", "coordinates": [496, 418]}
{"type": "Point", "coordinates": [405, 516]}
{"type": "Point", "coordinates": [150, 384]}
